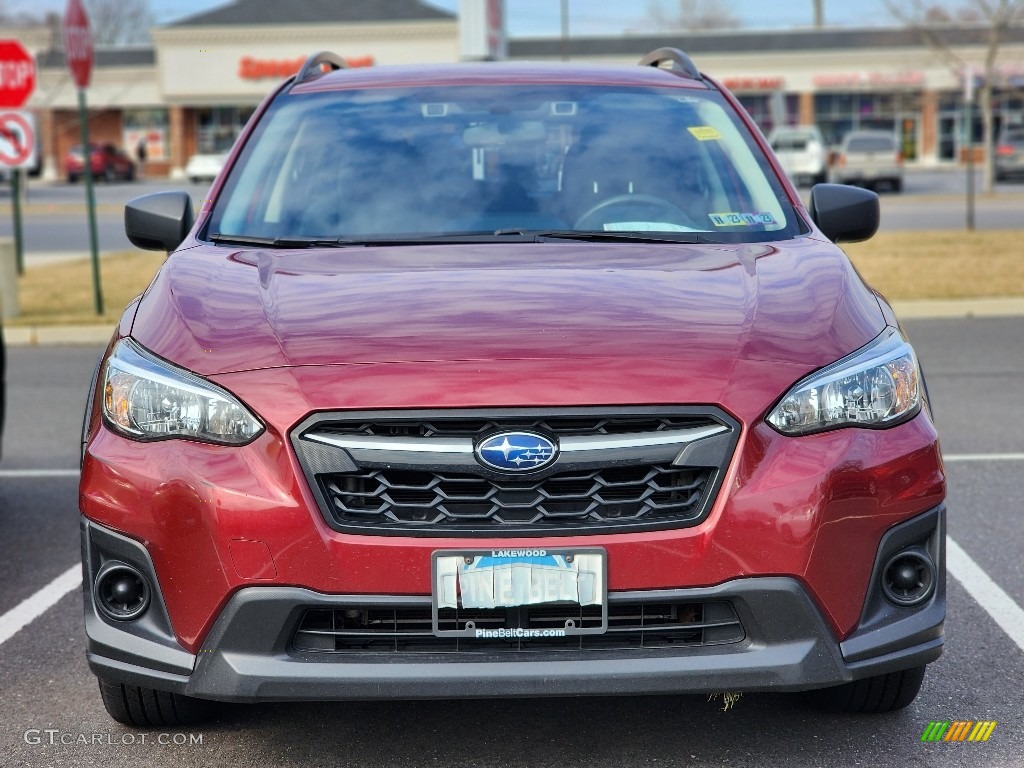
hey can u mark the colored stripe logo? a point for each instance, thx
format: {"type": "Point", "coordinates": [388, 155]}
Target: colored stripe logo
{"type": "Point", "coordinates": [958, 730]}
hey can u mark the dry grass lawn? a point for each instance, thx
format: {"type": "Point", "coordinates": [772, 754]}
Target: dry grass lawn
{"type": "Point", "coordinates": [902, 265]}
{"type": "Point", "coordinates": [62, 294]}
{"type": "Point", "coordinates": [945, 264]}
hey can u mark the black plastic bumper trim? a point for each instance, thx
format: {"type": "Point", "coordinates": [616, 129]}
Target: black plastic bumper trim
{"type": "Point", "coordinates": [147, 643]}
{"type": "Point", "coordinates": [887, 628]}
{"type": "Point", "coordinates": [247, 656]}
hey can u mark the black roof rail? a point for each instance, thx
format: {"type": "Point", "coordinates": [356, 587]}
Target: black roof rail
{"type": "Point", "coordinates": [313, 66]}
{"type": "Point", "coordinates": [681, 63]}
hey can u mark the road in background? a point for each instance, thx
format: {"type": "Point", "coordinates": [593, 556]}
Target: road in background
{"type": "Point", "coordinates": [54, 221]}
{"type": "Point", "coordinates": [975, 375]}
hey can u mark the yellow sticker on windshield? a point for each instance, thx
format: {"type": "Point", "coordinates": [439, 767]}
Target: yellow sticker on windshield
{"type": "Point", "coordinates": [705, 133]}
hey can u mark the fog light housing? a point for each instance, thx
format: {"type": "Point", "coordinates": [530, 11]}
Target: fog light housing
{"type": "Point", "coordinates": [121, 592]}
{"type": "Point", "coordinates": [908, 578]}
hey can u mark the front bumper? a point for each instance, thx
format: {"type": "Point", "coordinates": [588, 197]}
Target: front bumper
{"type": "Point", "coordinates": [249, 654]}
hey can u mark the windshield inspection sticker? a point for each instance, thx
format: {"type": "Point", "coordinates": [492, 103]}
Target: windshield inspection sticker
{"type": "Point", "coordinates": [741, 219]}
{"type": "Point", "coordinates": [705, 133]}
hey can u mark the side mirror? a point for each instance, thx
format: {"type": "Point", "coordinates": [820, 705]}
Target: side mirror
{"type": "Point", "coordinates": [843, 213]}
{"type": "Point", "coordinates": [160, 221]}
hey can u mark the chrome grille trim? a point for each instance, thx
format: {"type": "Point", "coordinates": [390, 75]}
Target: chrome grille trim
{"type": "Point", "coordinates": [415, 445]}
{"type": "Point", "coordinates": [567, 444]}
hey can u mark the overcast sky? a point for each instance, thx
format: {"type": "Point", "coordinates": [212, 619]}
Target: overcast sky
{"type": "Point", "coordinates": [586, 17]}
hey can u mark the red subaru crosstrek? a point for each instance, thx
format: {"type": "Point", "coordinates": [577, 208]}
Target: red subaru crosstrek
{"type": "Point", "coordinates": [507, 380]}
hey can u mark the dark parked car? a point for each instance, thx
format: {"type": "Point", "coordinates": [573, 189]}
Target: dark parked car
{"type": "Point", "coordinates": [507, 380]}
{"type": "Point", "coordinates": [1010, 154]}
{"type": "Point", "coordinates": [106, 161]}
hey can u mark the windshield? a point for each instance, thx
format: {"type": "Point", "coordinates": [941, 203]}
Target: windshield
{"type": "Point", "coordinates": [405, 163]}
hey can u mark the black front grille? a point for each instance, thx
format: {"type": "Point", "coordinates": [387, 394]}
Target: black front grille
{"type": "Point", "coordinates": [409, 498]}
{"type": "Point", "coordinates": [409, 629]}
{"type": "Point", "coordinates": [416, 472]}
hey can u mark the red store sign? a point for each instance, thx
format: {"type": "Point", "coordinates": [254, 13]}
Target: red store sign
{"type": "Point", "coordinates": [754, 83]}
{"type": "Point", "coordinates": [259, 69]}
{"type": "Point", "coordinates": [869, 80]}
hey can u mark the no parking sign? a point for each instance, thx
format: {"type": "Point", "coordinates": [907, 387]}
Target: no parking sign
{"type": "Point", "coordinates": [17, 139]}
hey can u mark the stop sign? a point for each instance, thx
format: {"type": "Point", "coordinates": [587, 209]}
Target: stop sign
{"type": "Point", "coordinates": [78, 43]}
{"type": "Point", "coordinates": [17, 74]}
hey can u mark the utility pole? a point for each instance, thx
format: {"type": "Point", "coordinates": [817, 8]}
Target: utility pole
{"type": "Point", "coordinates": [565, 30]}
{"type": "Point", "coordinates": [819, 14]}
{"type": "Point", "coordinates": [969, 141]}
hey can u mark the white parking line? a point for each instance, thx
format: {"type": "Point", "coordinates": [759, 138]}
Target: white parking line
{"type": "Point", "coordinates": [989, 595]}
{"type": "Point", "coordinates": [39, 473]}
{"type": "Point", "coordinates": [949, 457]}
{"type": "Point", "coordinates": [986, 593]}
{"type": "Point", "coordinates": [31, 608]}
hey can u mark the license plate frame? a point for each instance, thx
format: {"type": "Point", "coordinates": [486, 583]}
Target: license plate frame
{"type": "Point", "coordinates": [591, 582]}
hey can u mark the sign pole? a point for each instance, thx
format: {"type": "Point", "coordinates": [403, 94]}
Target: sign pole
{"type": "Point", "coordinates": [90, 201]}
{"type": "Point", "coordinates": [17, 82]}
{"type": "Point", "coordinates": [78, 54]}
{"type": "Point", "coordinates": [969, 141]}
{"type": "Point", "coordinates": [19, 248]}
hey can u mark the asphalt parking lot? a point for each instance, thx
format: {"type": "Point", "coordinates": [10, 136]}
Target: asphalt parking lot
{"type": "Point", "coordinates": [50, 712]}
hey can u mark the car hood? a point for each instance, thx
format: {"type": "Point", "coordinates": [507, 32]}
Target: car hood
{"type": "Point", "coordinates": [698, 309]}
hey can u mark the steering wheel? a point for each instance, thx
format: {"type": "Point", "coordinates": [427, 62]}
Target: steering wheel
{"type": "Point", "coordinates": [662, 210]}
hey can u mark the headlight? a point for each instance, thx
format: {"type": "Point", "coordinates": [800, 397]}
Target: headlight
{"type": "Point", "coordinates": [145, 398]}
{"type": "Point", "coordinates": [879, 385]}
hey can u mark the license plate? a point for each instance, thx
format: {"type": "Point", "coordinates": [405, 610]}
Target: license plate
{"type": "Point", "coordinates": [519, 593]}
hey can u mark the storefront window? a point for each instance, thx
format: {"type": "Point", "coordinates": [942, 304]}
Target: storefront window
{"type": "Point", "coordinates": [145, 127]}
{"type": "Point", "coordinates": [839, 113]}
{"type": "Point", "coordinates": [1007, 109]}
{"type": "Point", "coordinates": [218, 127]}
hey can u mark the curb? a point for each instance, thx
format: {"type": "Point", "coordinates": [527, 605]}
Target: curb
{"type": "Point", "coordinates": [49, 335]}
{"type": "Point", "coordinates": [919, 309]}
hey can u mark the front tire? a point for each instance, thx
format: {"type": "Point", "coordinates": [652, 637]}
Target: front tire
{"type": "Point", "coordinates": [143, 707]}
{"type": "Point", "coordinates": [872, 695]}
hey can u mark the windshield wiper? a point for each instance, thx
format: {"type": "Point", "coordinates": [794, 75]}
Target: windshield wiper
{"type": "Point", "coordinates": [279, 242]}
{"type": "Point", "coordinates": [604, 236]}
{"type": "Point", "coordinates": [501, 235]}
{"type": "Point", "coordinates": [342, 242]}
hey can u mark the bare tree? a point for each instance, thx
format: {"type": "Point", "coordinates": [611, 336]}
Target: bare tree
{"type": "Point", "coordinates": [16, 18]}
{"type": "Point", "coordinates": [931, 19]}
{"type": "Point", "coordinates": [693, 14]}
{"type": "Point", "coordinates": [119, 22]}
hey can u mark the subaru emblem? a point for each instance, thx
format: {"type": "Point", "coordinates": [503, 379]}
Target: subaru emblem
{"type": "Point", "coordinates": [516, 451]}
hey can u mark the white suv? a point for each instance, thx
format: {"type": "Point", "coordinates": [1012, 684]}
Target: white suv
{"type": "Point", "coordinates": [801, 150]}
